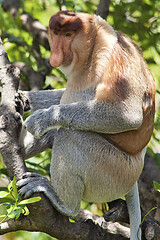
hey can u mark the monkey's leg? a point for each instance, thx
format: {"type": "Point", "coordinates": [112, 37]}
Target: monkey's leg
{"type": "Point", "coordinates": [33, 182]}
{"type": "Point", "coordinates": [70, 191]}
{"type": "Point", "coordinates": [133, 204]}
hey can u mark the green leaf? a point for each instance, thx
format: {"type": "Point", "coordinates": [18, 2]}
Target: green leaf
{"type": "Point", "coordinates": [14, 187]}
{"type": "Point", "coordinates": [18, 213]}
{"type": "Point", "coordinates": [156, 186]}
{"type": "Point", "coordinates": [14, 212]}
{"type": "Point", "coordinates": [8, 199]}
{"type": "Point", "coordinates": [4, 189]}
{"type": "Point", "coordinates": [29, 201]}
{"type": "Point", "coordinates": [11, 215]}
{"type": "Point", "coordinates": [10, 209]}
{"type": "Point", "coordinates": [4, 194]}
{"type": "Point", "coordinates": [2, 216]}
{"type": "Point", "coordinates": [10, 187]}
{"type": "Point", "coordinates": [25, 211]}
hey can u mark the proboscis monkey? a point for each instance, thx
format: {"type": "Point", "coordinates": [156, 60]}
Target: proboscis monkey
{"type": "Point", "coordinates": [104, 119]}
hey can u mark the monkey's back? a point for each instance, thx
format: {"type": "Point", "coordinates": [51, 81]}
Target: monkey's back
{"type": "Point", "coordinates": [128, 74]}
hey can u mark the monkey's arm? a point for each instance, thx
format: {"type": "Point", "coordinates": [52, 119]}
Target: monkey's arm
{"type": "Point", "coordinates": [95, 115]}
{"type": "Point", "coordinates": [31, 146]}
{"type": "Point", "coordinates": [44, 98]}
{"type": "Point", "coordinates": [39, 100]}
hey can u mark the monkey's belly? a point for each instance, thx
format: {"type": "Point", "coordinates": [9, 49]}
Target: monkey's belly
{"type": "Point", "coordinates": [106, 172]}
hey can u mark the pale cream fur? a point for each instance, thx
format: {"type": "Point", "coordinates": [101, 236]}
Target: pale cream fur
{"type": "Point", "coordinates": [85, 71]}
{"type": "Point", "coordinates": [81, 78]}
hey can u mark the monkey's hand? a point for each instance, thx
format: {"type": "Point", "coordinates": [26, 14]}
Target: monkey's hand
{"type": "Point", "coordinates": [39, 122]}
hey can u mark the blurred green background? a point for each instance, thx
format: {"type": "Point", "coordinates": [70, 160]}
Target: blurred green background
{"type": "Point", "coordinates": [140, 19]}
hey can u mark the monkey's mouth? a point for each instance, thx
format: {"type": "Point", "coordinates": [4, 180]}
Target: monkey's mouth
{"type": "Point", "coordinates": [66, 62]}
{"type": "Point", "coordinates": [67, 58]}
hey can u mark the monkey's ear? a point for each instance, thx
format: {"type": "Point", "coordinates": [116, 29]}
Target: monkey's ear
{"type": "Point", "coordinates": [90, 21]}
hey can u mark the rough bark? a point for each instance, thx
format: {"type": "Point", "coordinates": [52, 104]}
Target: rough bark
{"type": "Point", "coordinates": [103, 8]}
{"type": "Point", "coordinates": [10, 120]}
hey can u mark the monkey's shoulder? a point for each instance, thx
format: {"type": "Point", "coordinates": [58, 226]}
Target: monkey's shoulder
{"type": "Point", "coordinates": [71, 96]}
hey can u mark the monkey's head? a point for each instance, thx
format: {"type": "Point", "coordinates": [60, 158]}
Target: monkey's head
{"type": "Point", "coordinates": [67, 36]}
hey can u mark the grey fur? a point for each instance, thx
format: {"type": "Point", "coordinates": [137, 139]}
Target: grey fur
{"type": "Point", "coordinates": [84, 165]}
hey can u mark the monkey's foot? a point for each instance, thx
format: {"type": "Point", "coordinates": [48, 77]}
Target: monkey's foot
{"type": "Point", "coordinates": [31, 183]}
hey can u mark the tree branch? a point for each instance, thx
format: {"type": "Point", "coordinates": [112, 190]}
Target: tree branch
{"type": "Point", "coordinates": [36, 79]}
{"type": "Point", "coordinates": [29, 24]}
{"type": "Point", "coordinates": [103, 8]}
{"type": "Point", "coordinates": [40, 37]}
{"type": "Point", "coordinates": [94, 227]}
{"type": "Point", "coordinates": [10, 120]}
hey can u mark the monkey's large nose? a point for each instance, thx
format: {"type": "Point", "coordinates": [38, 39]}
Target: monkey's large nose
{"type": "Point", "coordinates": [56, 58]}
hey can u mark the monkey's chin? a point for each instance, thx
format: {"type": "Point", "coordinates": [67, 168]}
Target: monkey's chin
{"type": "Point", "coordinates": [66, 69]}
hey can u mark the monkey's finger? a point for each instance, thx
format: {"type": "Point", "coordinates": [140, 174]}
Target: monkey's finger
{"type": "Point", "coordinates": [30, 174]}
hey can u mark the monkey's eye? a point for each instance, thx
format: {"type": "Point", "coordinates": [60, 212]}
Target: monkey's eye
{"type": "Point", "coordinates": [55, 32]}
{"type": "Point", "coordinates": [68, 34]}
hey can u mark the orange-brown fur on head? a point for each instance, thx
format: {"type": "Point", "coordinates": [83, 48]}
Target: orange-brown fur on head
{"type": "Point", "coordinates": [63, 27]}
{"type": "Point", "coordinates": [65, 21]}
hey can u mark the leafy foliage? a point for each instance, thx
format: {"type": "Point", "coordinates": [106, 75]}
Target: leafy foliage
{"type": "Point", "coordinates": [13, 204]}
{"type": "Point", "coordinates": [156, 186]}
{"type": "Point", "coordinates": [138, 19]}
